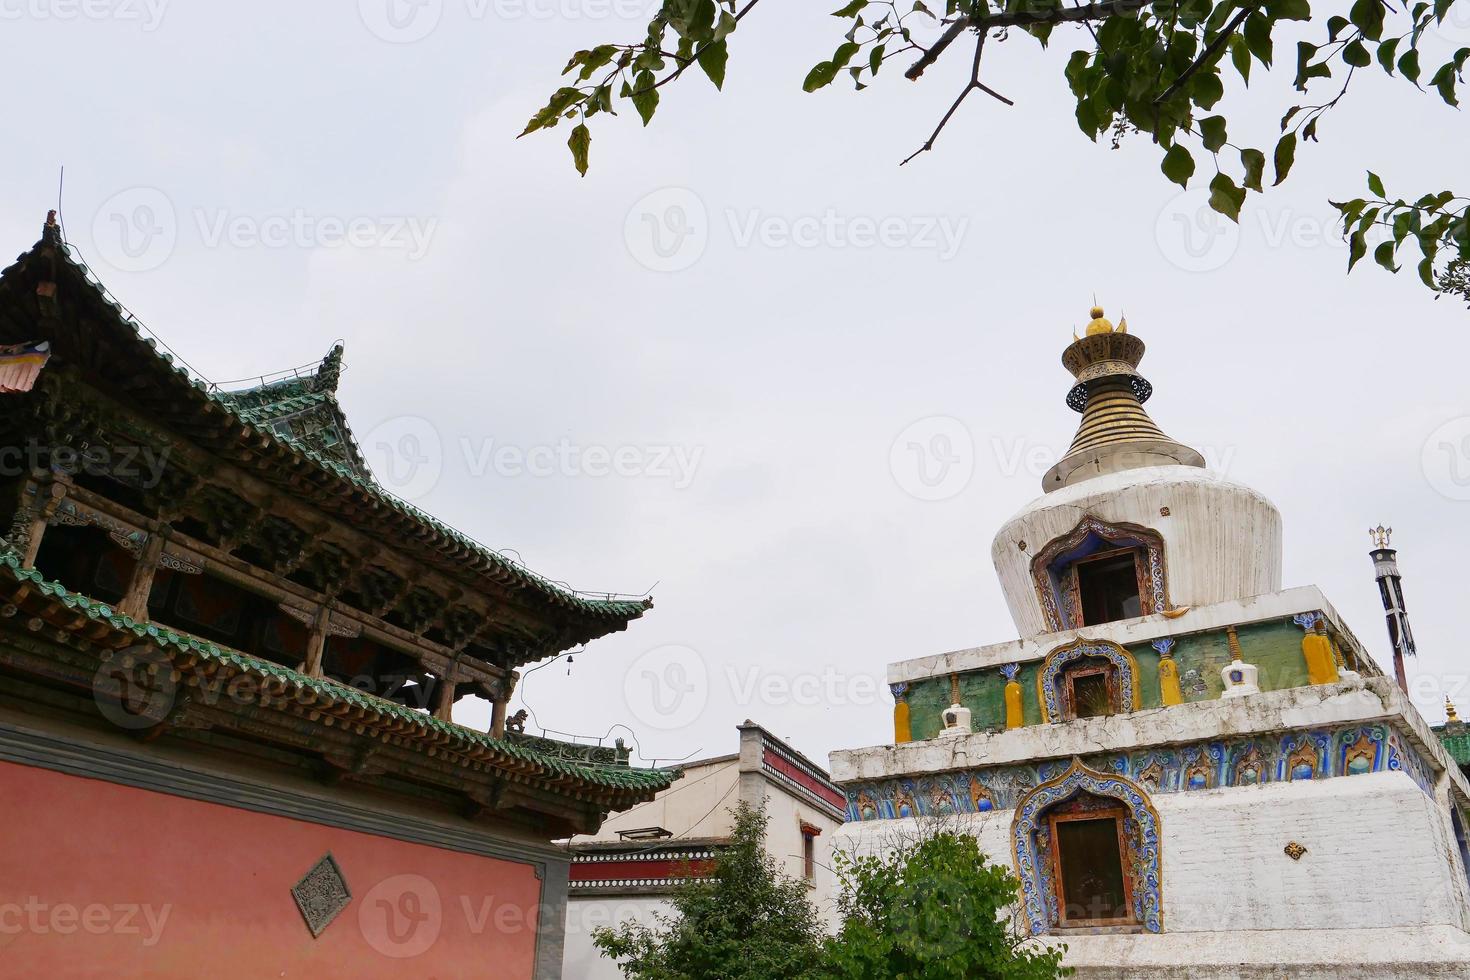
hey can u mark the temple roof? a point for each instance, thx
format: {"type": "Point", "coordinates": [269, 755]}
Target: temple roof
{"type": "Point", "coordinates": [49, 294]}
{"type": "Point", "coordinates": [26, 589]}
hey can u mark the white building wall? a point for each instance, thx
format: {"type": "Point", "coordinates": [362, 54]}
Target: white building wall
{"type": "Point", "coordinates": [697, 805]}
{"type": "Point", "coordinates": [581, 960]}
{"type": "Point", "coordinates": [783, 842]}
{"type": "Point", "coordinates": [1376, 855]}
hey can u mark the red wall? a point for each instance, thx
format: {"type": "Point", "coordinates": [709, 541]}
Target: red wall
{"type": "Point", "coordinates": [84, 863]}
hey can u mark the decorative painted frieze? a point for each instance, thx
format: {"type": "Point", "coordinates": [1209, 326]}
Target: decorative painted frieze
{"type": "Point", "coordinates": [1313, 754]}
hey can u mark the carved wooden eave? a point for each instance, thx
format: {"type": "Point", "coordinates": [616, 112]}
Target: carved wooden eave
{"type": "Point", "coordinates": [106, 381]}
{"type": "Point", "coordinates": [54, 646]}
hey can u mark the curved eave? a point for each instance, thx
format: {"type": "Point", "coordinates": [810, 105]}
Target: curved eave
{"type": "Point", "coordinates": [188, 406]}
{"type": "Point", "coordinates": [27, 590]}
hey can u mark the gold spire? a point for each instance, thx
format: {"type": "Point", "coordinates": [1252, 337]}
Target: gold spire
{"type": "Point", "coordinates": [1115, 432]}
{"type": "Point", "coordinates": [1449, 710]}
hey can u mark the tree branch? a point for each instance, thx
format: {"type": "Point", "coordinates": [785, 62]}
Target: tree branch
{"type": "Point", "coordinates": [1022, 18]}
{"type": "Point", "coordinates": [973, 84]}
{"type": "Point", "coordinates": [1209, 54]}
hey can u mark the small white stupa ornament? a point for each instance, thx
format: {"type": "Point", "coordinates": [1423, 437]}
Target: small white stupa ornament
{"type": "Point", "coordinates": [956, 718]}
{"type": "Point", "coordinates": [1239, 676]}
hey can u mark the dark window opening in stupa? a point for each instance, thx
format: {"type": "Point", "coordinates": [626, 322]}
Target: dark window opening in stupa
{"type": "Point", "coordinates": [1090, 869]}
{"type": "Point", "coordinates": [1108, 588]}
{"type": "Point", "coordinates": [1090, 696]}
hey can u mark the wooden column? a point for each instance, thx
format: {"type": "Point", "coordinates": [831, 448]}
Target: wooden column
{"type": "Point", "coordinates": [444, 694]}
{"type": "Point", "coordinates": [316, 642]}
{"type": "Point", "coordinates": [37, 530]}
{"type": "Point", "coordinates": [497, 717]}
{"type": "Point", "coordinates": [135, 600]}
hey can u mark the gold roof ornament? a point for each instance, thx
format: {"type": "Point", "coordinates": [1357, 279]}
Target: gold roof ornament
{"type": "Point", "coordinates": [1115, 432]}
{"type": "Point", "coordinates": [1099, 324]}
{"type": "Point", "coordinates": [1449, 709]}
{"type": "Point", "coordinates": [1381, 536]}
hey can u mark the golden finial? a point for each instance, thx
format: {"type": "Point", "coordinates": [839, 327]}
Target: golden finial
{"type": "Point", "coordinates": [1381, 535]}
{"type": "Point", "coordinates": [1123, 324]}
{"type": "Point", "coordinates": [1100, 323]}
{"type": "Point", "coordinates": [1449, 710]}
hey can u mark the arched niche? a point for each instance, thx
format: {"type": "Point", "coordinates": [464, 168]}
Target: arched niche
{"type": "Point", "coordinates": [1055, 849]}
{"type": "Point", "coordinates": [1055, 682]}
{"type": "Point", "coordinates": [1065, 570]}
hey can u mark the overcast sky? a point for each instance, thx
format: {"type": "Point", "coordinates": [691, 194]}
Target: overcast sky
{"type": "Point", "coordinates": [754, 304]}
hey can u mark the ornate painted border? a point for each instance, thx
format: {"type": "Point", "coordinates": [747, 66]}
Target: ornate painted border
{"type": "Point", "coordinates": [1215, 764]}
{"type": "Point", "coordinates": [1155, 593]}
{"type": "Point", "coordinates": [1048, 686]}
{"type": "Point", "coordinates": [1038, 900]}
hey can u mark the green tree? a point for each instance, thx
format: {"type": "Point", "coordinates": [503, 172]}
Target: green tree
{"type": "Point", "coordinates": [1157, 69]}
{"type": "Point", "coordinates": [749, 921]}
{"type": "Point", "coordinates": [932, 909]}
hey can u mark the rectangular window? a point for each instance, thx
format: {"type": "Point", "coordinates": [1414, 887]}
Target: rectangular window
{"type": "Point", "coordinates": [1108, 588]}
{"type": "Point", "coordinates": [1088, 865]}
{"type": "Point", "coordinates": [808, 855]}
{"type": "Point", "coordinates": [1089, 693]}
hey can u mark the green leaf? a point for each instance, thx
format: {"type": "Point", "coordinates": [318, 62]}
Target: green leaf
{"type": "Point", "coordinates": [1409, 65]}
{"type": "Point", "coordinates": [1357, 55]}
{"type": "Point", "coordinates": [1225, 197]}
{"type": "Point", "coordinates": [712, 58]}
{"type": "Point", "coordinates": [1357, 248]}
{"type": "Point", "coordinates": [1212, 131]}
{"type": "Point", "coordinates": [1178, 165]}
{"type": "Point", "coordinates": [820, 76]}
{"type": "Point", "coordinates": [579, 143]}
{"type": "Point", "coordinates": [1289, 9]}
{"type": "Point", "coordinates": [1386, 52]}
{"type": "Point", "coordinates": [1375, 184]}
{"type": "Point", "coordinates": [1444, 80]}
{"type": "Point", "coordinates": [1426, 273]}
{"type": "Point", "coordinates": [1285, 156]}
{"type": "Point", "coordinates": [1240, 56]}
{"type": "Point", "coordinates": [644, 95]}
{"type": "Point", "coordinates": [1207, 89]}
{"type": "Point", "coordinates": [851, 9]}
{"type": "Point", "coordinates": [844, 53]}
{"type": "Point", "coordinates": [1258, 37]}
{"type": "Point", "coordinates": [1383, 255]}
{"type": "Point", "coordinates": [1254, 162]}
{"type": "Point", "coordinates": [1367, 16]}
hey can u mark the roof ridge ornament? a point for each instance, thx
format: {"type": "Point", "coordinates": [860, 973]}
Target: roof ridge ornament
{"type": "Point", "coordinates": [330, 370]}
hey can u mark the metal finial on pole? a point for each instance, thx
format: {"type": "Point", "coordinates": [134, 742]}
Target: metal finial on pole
{"type": "Point", "coordinates": [1391, 590]}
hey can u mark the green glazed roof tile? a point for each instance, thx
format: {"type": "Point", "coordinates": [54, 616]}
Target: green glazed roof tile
{"type": "Point", "coordinates": [620, 777]}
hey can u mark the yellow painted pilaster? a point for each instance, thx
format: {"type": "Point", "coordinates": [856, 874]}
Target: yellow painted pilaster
{"type": "Point", "coordinates": [901, 731]}
{"type": "Point", "coordinates": [1015, 718]}
{"type": "Point", "coordinates": [1169, 689]}
{"type": "Point", "coordinates": [1321, 663]}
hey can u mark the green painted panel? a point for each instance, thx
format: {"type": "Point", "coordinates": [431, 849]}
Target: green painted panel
{"type": "Point", "coordinates": [1274, 647]}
